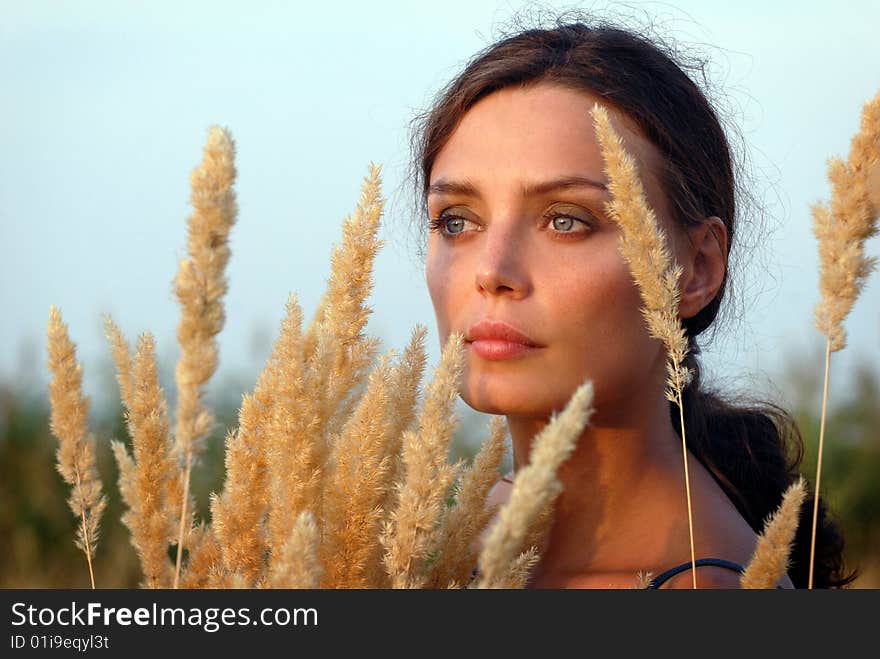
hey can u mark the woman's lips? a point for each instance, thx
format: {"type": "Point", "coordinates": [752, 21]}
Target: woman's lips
{"type": "Point", "coordinates": [497, 349]}
{"type": "Point", "coordinates": [496, 339]}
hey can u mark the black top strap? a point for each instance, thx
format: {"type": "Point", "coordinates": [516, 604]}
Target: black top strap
{"type": "Point", "coordinates": [663, 577]}
{"type": "Point", "coordinates": [678, 569]}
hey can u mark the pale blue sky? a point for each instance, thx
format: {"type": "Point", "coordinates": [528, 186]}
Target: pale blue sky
{"type": "Point", "coordinates": [106, 105]}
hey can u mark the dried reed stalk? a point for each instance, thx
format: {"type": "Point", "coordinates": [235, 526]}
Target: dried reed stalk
{"type": "Point", "coordinates": [357, 477]}
{"type": "Point", "coordinates": [204, 550]}
{"type": "Point", "coordinates": [873, 184]}
{"type": "Point", "coordinates": [534, 486]}
{"type": "Point", "coordinates": [644, 246]}
{"type": "Point", "coordinates": [456, 541]}
{"type": "Point", "coordinates": [841, 230]}
{"type": "Point", "coordinates": [121, 353]}
{"type": "Point", "coordinates": [237, 512]}
{"type": "Point", "coordinates": [520, 570]}
{"type": "Point", "coordinates": [148, 478]}
{"type": "Point", "coordinates": [405, 391]}
{"type": "Point", "coordinates": [643, 580]}
{"type": "Point", "coordinates": [201, 570]}
{"type": "Point", "coordinates": [291, 419]}
{"type": "Point", "coordinates": [298, 565]}
{"type": "Point", "coordinates": [343, 311]}
{"type": "Point", "coordinates": [200, 285]}
{"type": "Point", "coordinates": [168, 487]}
{"type": "Point", "coordinates": [76, 450]}
{"type": "Point", "coordinates": [408, 535]}
{"type": "Point", "coordinates": [770, 561]}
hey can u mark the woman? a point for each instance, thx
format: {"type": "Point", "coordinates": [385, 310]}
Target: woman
{"type": "Point", "coordinates": [522, 258]}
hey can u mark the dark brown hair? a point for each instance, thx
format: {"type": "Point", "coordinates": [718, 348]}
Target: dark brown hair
{"type": "Point", "coordinates": [753, 450]}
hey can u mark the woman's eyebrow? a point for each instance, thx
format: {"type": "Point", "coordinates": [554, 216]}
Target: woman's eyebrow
{"type": "Point", "coordinates": [561, 183]}
{"type": "Point", "coordinates": [466, 188]}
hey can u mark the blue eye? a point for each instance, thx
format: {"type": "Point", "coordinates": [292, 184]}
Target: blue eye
{"type": "Point", "coordinates": [563, 223]}
{"type": "Point", "coordinates": [452, 222]}
{"type": "Point", "coordinates": [566, 223]}
{"type": "Point", "coordinates": [448, 225]}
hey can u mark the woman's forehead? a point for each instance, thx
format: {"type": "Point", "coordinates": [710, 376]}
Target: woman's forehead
{"type": "Point", "coordinates": [534, 133]}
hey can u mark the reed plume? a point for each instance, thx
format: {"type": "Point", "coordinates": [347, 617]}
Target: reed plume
{"type": "Point", "coordinates": [457, 538]}
{"type": "Point", "coordinates": [76, 445]}
{"type": "Point", "coordinates": [841, 229]}
{"type": "Point", "coordinates": [150, 473]}
{"type": "Point", "coordinates": [125, 465]}
{"type": "Point", "coordinates": [408, 535]}
{"type": "Point", "coordinates": [873, 183]}
{"type": "Point", "coordinates": [644, 246]}
{"type": "Point", "coordinates": [200, 285]}
{"type": "Point", "coordinates": [202, 565]}
{"type": "Point", "coordinates": [292, 434]}
{"type": "Point", "coordinates": [135, 479]}
{"type": "Point", "coordinates": [643, 580]}
{"type": "Point", "coordinates": [401, 410]}
{"type": "Point", "coordinates": [343, 311]}
{"type": "Point", "coordinates": [534, 486]}
{"type": "Point", "coordinates": [121, 353]}
{"type": "Point", "coordinates": [298, 564]}
{"type": "Point", "coordinates": [770, 560]}
{"type": "Point", "coordinates": [357, 478]}
{"type": "Point", "coordinates": [520, 570]}
{"type": "Point", "coordinates": [237, 512]}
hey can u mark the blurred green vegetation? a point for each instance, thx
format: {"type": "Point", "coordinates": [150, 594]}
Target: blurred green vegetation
{"type": "Point", "coordinates": [37, 529]}
{"type": "Point", "coordinates": [850, 480]}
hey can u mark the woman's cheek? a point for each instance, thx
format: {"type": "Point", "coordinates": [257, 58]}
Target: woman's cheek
{"type": "Point", "coordinates": [604, 329]}
{"type": "Point", "coordinates": [444, 287]}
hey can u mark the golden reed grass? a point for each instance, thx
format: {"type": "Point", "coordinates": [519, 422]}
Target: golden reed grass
{"type": "Point", "coordinates": [504, 560]}
{"type": "Point", "coordinates": [644, 246]}
{"type": "Point", "coordinates": [770, 560]}
{"type": "Point", "coordinates": [337, 474]}
{"type": "Point", "coordinates": [76, 450]}
{"type": "Point", "coordinates": [200, 285]}
{"type": "Point", "coordinates": [841, 229]}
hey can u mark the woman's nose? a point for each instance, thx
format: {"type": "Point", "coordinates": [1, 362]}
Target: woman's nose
{"type": "Point", "coordinates": [501, 269]}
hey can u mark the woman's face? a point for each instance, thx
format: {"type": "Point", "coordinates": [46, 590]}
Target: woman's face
{"type": "Point", "coordinates": [520, 235]}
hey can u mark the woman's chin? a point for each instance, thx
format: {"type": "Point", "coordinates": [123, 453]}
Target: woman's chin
{"type": "Point", "coordinates": [505, 402]}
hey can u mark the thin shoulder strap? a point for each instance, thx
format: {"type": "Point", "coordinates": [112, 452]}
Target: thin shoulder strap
{"type": "Point", "coordinates": [678, 569]}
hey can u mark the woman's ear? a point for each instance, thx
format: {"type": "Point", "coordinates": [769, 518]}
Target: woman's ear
{"type": "Point", "coordinates": [705, 265]}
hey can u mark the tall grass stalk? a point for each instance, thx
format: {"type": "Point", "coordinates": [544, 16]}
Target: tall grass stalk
{"type": "Point", "coordinates": [470, 514]}
{"type": "Point", "coordinates": [644, 246]}
{"type": "Point", "coordinates": [408, 536]}
{"type": "Point", "coordinates": [503, 557]}
{"type": "Point", "coordinates": [76, 450]}
{"type": "Point", "coordinates": [770, 561]}
{"type": "Point", "coordinates": [200, 285]}
{"type": "Point", "coordinates": [841, 230]}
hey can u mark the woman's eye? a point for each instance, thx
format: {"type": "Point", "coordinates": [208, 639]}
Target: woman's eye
{"type": "Point", "coordinates": [449, 225]}
{"type": "Point", "coordinates": [562, 223]}
{"type": "Point", "coordinates": [454, 225]}
{"type": "Point", "coordinates": [567, 224]}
